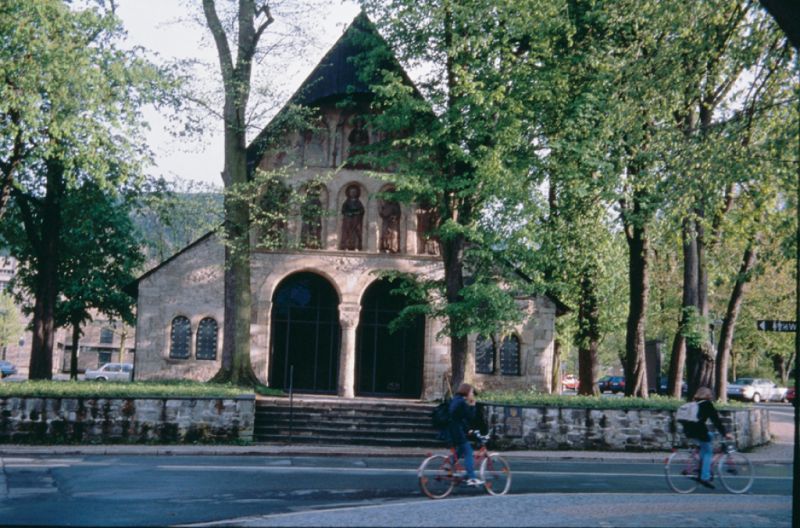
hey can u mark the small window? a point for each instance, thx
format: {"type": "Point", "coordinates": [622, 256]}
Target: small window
{"type": "Point", "coordinates": [127, 367]}
{"type": "Point", "coordinates": [509, 356]}
{"type": "Point", "coordinates": [180, 338]}
{"type": "Point", "coordinates": [207, 339]}
{"type": "Point", "coordinates": [113, 367]}
{"type": "Point", "coordinates": [102, 358]}
{"type": "Point", "coordinates": [484, 355]}
{"type": "Point", "coordinates": [106, 336]}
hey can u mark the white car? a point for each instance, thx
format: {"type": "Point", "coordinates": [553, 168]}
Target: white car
{"type": "Point", "coordinates": [111, 372]}
{"type": "Point", "coordinates": [756, 390]}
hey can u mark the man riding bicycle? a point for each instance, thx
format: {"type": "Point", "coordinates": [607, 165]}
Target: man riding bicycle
{"type": "Point", "coordinates": [462, 415]}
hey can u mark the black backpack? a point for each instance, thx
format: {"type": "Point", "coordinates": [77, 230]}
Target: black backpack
{"type": "Point", "coordinates": [440, 416]}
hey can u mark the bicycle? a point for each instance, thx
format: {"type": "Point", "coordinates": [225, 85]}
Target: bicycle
{"type": "Point", "coordinates": [439, 474]}
{"type": "Point", "coordinates": [735, 471]}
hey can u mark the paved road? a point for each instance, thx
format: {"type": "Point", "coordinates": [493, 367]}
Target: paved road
{"type": "Point", "coordinates": [141, 490]}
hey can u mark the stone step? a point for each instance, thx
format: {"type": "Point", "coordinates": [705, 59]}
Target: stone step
{"type": "Point", "coordinates": [343, 415]}
{"type": "Point", "coordinates": [339, 428]}
{"type": "Point", "coordinates": [350, 440]}
{"type": "Point", "coordinates": [351, 422]}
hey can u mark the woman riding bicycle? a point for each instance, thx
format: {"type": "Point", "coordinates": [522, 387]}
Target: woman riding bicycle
{"type": "Point", "coordinates": [698, 431]}
{"type": "Point", "coordinates": [462, 414]}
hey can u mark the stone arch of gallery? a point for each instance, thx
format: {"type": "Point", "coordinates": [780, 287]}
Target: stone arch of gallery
{"type": "Point", "coordinates": [305, 334]}
{"type": "Point", "coordinates": [388, 363]}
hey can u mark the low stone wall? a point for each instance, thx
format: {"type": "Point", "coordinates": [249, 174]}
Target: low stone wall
{"type": "Point", "coordinates": [558, 428]}
{"type": "Point", "coordinates": [126, 420]}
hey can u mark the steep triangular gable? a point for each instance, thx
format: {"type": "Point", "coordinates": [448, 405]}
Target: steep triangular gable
{"type": "Point", "coordinates": [336, 75]}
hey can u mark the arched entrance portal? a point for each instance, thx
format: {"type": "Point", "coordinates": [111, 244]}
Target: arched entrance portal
{"type": "Point", "coordinates": [388, 364]}
{"type": "Point", "coordinates": [305, 334]}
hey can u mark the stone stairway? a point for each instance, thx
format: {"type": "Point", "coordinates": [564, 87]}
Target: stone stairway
{"type": "Point", "coordinates": [362, 421]}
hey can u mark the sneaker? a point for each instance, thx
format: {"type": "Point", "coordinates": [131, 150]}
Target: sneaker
{"type": "Point", "coordinates": [474, 482]}
{"type": "Point", "coordinates": [706, 483]}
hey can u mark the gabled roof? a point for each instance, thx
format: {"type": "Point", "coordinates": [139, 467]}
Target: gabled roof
{"type": "Point", "coordinates": [340, 73]}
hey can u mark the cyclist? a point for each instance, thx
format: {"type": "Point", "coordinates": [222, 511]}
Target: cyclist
{"type": "Point", "coordinates": [698, 431]}
{"type": "Point", "coordinates": [462, 414]}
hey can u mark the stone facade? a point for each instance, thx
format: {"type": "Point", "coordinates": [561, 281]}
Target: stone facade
{"type": "Point", "coordinates": [126, 420]}
{"type": "Point", "coordinates": [191, 285]}
{"type": "Point", "coordinates": [558, 428]}
{"type": "Point", "coordinates": [355, 234]}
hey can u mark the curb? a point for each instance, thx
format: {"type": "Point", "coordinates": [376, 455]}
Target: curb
{"type": "Point", "coordinates": [342, 451]}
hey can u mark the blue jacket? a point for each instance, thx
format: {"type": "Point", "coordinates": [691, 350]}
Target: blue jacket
{"type": "Point", "coordinates": [461, 417]}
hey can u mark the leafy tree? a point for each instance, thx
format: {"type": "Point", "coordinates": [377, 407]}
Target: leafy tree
{"type": "Point", "coordinates": [237, 31]}
{"type": "Point", "coordinates": [70, 108]}
{"type": "Point", "coordinates": [465, 146]}
{"type": "Point", "coordinates": [99, 257]}
{"type": "Point", "coordinates": [11, 326]}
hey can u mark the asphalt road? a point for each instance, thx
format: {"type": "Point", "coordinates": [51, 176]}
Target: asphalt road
{"type": "Point", "coordinates": [170, 490]}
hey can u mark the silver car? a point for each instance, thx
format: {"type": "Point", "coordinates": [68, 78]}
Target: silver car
{"type": "Point", "coordinates": [111, 372]}
{"type": "Point", "coordinates": [756, 390]}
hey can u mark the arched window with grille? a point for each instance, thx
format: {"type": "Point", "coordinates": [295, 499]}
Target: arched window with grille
{"type": "Point", "coordinates": [484, 355]}
{"type": "Point", "coordinates": [206, 339]}
{"type": "Point", "coordinates": [509, 356]}
{"type": "Point", "coordinates": [180, 339]}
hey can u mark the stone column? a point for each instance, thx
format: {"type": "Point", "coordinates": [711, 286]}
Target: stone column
{"type": "Point", "coordinates": [348, 319]}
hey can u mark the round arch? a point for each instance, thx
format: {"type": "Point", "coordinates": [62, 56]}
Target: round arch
{"type": "Point", "coordinates": [388, 363]}
{"type": "Point", "coordinates": [305, 334]}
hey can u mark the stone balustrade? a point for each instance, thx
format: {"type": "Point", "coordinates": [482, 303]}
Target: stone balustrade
{"type": "Point", "coordinates": [563, 428]}
{"type": "Point", "coordinates": [31, 420]}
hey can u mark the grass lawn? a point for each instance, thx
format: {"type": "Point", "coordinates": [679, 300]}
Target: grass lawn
{"type": "Point", "coordinates": [108, 389]}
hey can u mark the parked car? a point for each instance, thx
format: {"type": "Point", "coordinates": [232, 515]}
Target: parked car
{"type": "Point", "coordinates": [569, 382]}
{"type": "Point", "coordinates": [613, 384]}
{"type": "Point", "coordinates": [756, 390]}
{"type": "Point", "coordinates": [662, 389]}
{"type": "Point", "coordinates": [790, 396]}
{"type": "Point", "coordinates": [111, 372]}
{"type": "Point", "coordinates": [7, 368]}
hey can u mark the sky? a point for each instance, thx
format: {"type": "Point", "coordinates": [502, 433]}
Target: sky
{"type": "Point", "coordinates": [162, 26]}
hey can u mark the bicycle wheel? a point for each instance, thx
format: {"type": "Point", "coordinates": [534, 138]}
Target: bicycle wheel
{"type": "Point", "coordinates": [735, 472]}
{"type": "Point", "coordinates": [496, 474]}
{"type": "Point", "coordinates": [681, 468]}
{"type": "Point", "coordinates": [436, 476]}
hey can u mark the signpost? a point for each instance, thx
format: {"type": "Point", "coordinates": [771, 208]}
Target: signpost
{"type": "Point", "coordinates": [776, 326]}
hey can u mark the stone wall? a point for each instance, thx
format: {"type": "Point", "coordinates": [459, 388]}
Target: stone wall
{"type": "Point", "coordinates": [126, 420]}
{"type": "Point", "coordinates": [558, 428]}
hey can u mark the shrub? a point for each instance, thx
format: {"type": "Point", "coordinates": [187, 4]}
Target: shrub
{"type": "Point", "coordinates": [104, 389]}
{"type": "Point", "coordinates": [537, 399]}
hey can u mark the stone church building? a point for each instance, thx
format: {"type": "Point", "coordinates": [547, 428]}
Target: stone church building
{"type": "Point", "coordinates": [320, 311]}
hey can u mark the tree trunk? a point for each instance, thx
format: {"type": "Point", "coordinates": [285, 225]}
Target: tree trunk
{"type": "Point", "coordinates": [588, 335]}
{"type": "Point", "coordinates": [73, 357]}
{"type": "Point", "coordinates": [638, 247]}
{"type": "Point", "coordinates": [729, 323]}
{"type": "Point", "coordinates": [701, 355]}
{"type": "Point", "coordinates": [236, 75]}
{"type": "Point", "coordinates": [453, 257]}
{"type": "Point", "coordinates": [555, 378]}
{"type": "Point", "coordinates": [688, 305]}
{"type": "Point", "coordinates": [44, 236]}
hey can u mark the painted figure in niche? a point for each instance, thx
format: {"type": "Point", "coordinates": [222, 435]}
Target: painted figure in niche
{"type": "Point", "coordinates": [390, 226]}
{"type": "Point", "coordinates": [311, 214]}
{"type": "Point", "coordinates": [352, 219]}
{"type": "Point", "coordinates": [426, 223]}
{"type": "Point", "coordinates": [357, 140]}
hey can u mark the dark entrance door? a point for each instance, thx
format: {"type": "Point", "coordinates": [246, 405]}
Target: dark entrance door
{"type": "Point", "coordinates": [388, 364]}
{"type": "Point", "coordinates": [305, 334]}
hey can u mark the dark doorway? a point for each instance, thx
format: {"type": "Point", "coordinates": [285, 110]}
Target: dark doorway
{"type": "Point", "coordinates": [388, 364]}
{"type": "Point", "coordinates": [305, 334]}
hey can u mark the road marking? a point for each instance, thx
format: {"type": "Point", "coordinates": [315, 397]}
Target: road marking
{"type": "Point", "coordinates": [358, 471]}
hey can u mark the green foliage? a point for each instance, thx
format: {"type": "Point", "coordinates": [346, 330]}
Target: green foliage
{"type": "Point", "coordinates": [536, 399]}
{"type": "Point", "coordinates": [170, 215]}
{"type": "Point", "coordinates": [137, 389]}
{"type": "Point", "coordinates": [11, 327]}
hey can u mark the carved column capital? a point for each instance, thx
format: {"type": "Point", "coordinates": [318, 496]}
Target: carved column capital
{"type": "Point", "coordinates": [349, 315]}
